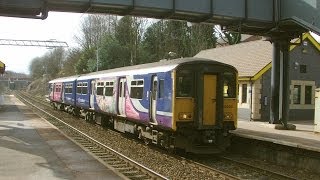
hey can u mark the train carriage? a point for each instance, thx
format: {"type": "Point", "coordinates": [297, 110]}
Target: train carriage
{"type": "Point", "coordinates": [69, 87]}
{"type": "Point", "coordinates": [187, 103]}
{"type": "Point", "coordinates": [55, 95]}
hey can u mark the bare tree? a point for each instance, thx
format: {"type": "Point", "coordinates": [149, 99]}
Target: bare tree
{"type": "Point", "coordinates": [93, 27]}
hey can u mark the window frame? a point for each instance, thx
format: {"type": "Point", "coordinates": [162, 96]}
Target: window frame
{"type": "Point", "coordinates": [244, 94]}
{"type": "Point", "coordinates": [298, 102]}
{"type": "Point", "coordinates": [109, 85]}
{"type": "Point", "coordinates": [99, 85]}
{"type": "Point", "coordinates": [136, 86]}
{"type": "Point", "coordinates": [309, 100]}
{"type": "Point", "coordinates": [303, 103]}
{"type": "Point", "coordinates": [180, 85]}
{"type": "Point", "coordinates": [303, 68]}
{"type": "Point", "coordinates": [161, 93]}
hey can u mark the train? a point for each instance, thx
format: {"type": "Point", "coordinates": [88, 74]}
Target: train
{"type": "Point", "coordinates": [187, 104]}
{"type": "Point", "coordinates": [2, 67]}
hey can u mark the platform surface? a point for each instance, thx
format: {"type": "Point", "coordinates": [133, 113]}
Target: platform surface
{"type": "Point", "coordinates": [31, 148]}
{"type": "Point", "coordinates": [303, 137]}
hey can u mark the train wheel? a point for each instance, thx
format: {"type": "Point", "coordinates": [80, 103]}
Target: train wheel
{"type": "Point", "coordinates": [146, 141]}
{"type": "Point", "coordinates": [54, 106]}
{"type": "Point", "coordinates": [140, 134]}
{"type": "Point", "coordinates": [91, 119]}
{"type": "Point", "coordinates": [86, 117]}
{"type": "Point", "coordinates": [75, 112]}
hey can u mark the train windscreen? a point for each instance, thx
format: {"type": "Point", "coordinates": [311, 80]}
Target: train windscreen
{"type": "Point", "coordinates": [185, 84]}
{"type": "Point", "coordinates": [229, 85]}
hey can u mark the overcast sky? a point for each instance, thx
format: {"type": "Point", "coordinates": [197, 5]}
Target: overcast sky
{"type": "Point", "coordinates": [58, 26]}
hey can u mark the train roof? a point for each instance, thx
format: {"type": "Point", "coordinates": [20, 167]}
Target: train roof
{"type": "Point", "coordinates": [161, 66]}
{"type": "Point", "coordinates": [64, 79]}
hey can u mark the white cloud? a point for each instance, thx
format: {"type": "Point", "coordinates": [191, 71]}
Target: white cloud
{"type": "Point", "coordinates": [59, 26]}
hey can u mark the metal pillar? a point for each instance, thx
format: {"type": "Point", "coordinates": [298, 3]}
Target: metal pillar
{"type": "Point", "coordinates": [280, 85]}
{"type": "Point", "coordinates": [285, 83]}
{"type": "Point", "coordinates": [275, 84]}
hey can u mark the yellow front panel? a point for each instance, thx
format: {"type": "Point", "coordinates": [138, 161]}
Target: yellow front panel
{"type": "Point", "coordinates": [230, 110]}
{"type": "Point", "coordinates": [184, 109]}
{"type": "Point", "coordinates": [209, 99]}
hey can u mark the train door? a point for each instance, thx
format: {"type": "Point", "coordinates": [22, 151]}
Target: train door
{"type": "Point", "coordinates": [53, 90]}
{"type": "Point", "coordinates": [153, 99]}
{"type": "Point", "coordinates": [63, 91]}
{"type": "Point", "coordinates": [92, 92]}
{"type": "Point", "coordinates": [209, 100]}
{"type": "Point", "coordinates": [121, 97]}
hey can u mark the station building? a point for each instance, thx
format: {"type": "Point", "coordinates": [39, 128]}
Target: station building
{"type": "Point", "coordinates": [254, 59]}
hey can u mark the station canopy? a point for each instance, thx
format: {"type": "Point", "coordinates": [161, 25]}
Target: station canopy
{"type": "Point", "coordinates": [262, 17]}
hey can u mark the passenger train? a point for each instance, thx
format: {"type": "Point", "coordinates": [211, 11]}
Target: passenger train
{"type": "Point", "coordinates": [186, 103]}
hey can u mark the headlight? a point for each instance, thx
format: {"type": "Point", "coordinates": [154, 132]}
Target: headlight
{"type": "Point", "coordinates": [228, 116]}
{"type": "Point", "coordinates": [185, 116]}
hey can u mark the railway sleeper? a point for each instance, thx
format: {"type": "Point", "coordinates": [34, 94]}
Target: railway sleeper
{"type": "Point", "coordinates": [96, 151]}
{"type": "Point", "coordinates": [132, 172]}
{"type": "Point", "coordinates": [116, 162]}
{"type": "Point", "coordinates": [122, 167]}
{"type": "Point", "coordinates": [104, 155]}
{"type": "Point", "coordinates": [110, 159]}
{"type": "Point", "coordinates": [140, 176]}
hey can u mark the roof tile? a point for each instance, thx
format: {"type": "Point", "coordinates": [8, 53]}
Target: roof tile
{"type": "Point", "coordinates": [249, 57]}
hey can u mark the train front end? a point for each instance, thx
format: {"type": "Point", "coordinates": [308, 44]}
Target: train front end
{"type": "Point", "coordinates": [204, 106]}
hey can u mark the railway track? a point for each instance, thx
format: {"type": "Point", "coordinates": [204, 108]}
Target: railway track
{"type": "Point", "coordinates": [235, 168]}
{"type": "Point", "coordinates": [227, 167]}
{"type": "Point", "coordinates": [266, 173]}
{"type": "Point", "coordinates": [119, 162]}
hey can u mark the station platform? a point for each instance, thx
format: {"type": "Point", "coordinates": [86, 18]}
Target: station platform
{"type": "Point", "coordinates": [303, 137]}
{"type": "Point", "coordinates": [31, 148]}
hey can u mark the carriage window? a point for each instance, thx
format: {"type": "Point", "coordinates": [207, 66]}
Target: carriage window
{"type": "Point", "coordinates": [154, 90]}
{"type": "Point", "coordinates": [120, 90]}
{"type": "Point", "coordinates": [229, 85]}
{"type": "Point", "coordinates": [68, 88]}
{"type": "Point", "coordinates": [136, 89]}
{"type": "Point", "coordinates": [79, 86]}
{"type": "Point", "coordinates": [58, 89]}
{"type": "Point", "coordinates": [71, 88]}
{"type": "Point", "coordinates": [99, 90]}
{"type": "Point", "coordinates": [161, 88]}
{"type": "Point", "coordinates": [184, 85]}
{"type": "Point", "coordinates": [109, 89]}
{"type": "Point", "coordinates": [84, 88]}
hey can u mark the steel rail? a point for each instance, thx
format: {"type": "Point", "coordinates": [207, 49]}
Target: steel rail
{"type": "Point", "coordinates": [153, 173]}
{"type": "Point", "coordinates": [266, 172]}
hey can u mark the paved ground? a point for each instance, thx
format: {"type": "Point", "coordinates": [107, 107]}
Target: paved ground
{"type": "Point", "coordinates": [303, 137]}
{"type": "Point", "coordinates": [30, 148]}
